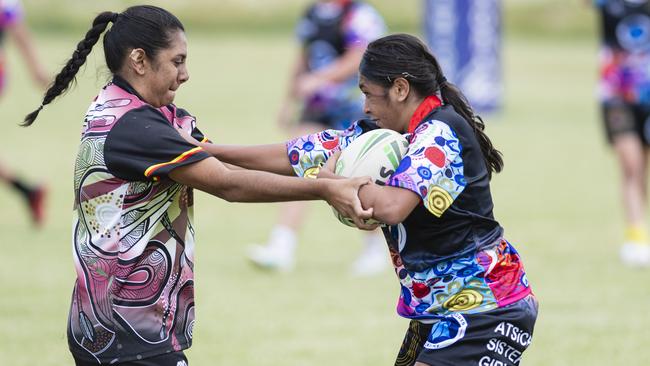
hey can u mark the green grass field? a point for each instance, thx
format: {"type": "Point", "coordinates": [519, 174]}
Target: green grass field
{"type": "Point", "coordinates": [557, 199]}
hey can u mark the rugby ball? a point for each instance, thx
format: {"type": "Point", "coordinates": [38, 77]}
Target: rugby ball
{"type": "Point", "coordinates": [376, 154]}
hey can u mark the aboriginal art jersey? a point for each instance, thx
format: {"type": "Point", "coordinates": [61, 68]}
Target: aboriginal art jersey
{"type": "Point", "coordinates": [133, 239]}
{"type": "Point", "coordinates": [625, 51]}
{"type": "Point", "coordinates": [449, 254]}
{"type": "Point", "coordinates": [326, 31]}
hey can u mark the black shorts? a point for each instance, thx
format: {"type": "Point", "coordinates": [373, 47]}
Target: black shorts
{"type": "Point", "coordinates": [167, 359]}
{"type": "Point", "coordinates": [493, 338]}
{"type": "Point", "coordinates": [624, 118]}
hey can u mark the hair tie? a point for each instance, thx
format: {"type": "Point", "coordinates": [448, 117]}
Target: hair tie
{"type": "Point", "coordinates": [442, 81]}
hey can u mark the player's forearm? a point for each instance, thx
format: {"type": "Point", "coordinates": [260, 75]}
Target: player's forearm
{"type": "Point", "coordinates": [270, 158]}
{"type": "Point", "coordinates": [343, 68]}
{"type": "Point", "coordinates": [213, 177]}
{"type": "Point", "coordinates": [257, 186]}
{"type": "Point", "coordinates": [390, 205]}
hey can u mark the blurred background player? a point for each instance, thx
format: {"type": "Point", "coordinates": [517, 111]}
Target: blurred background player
{"type": "Point", "coordinates": [324, 81]}
{"type": "Point", "coordinates": [11, 22]}
{"type": "Point", "coordinates": [624, 91]}
{"type": "Point", "coordinates": [465, 36]}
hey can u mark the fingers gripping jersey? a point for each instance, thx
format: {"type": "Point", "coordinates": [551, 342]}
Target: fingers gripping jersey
{"type": "Point", "coordinates": [133, 239]}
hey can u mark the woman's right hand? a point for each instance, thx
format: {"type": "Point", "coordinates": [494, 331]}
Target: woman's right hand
{"type": "Point", "coordinates": [343, 196]}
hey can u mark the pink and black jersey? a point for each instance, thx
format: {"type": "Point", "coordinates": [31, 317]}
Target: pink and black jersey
{"type": "Point", "coordinates": [449, 254]}
{"type": "Point", "coordinates": [133, 239]}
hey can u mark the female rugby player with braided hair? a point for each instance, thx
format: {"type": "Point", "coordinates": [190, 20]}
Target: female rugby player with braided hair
{"type": "Point", "coordinates": [463, 285]}
{"type": "Point", "coordinates": [133, 238]}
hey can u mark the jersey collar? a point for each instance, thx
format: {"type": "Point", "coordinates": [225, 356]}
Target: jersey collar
{"type": "Point", "coordinates": [427, 106]}
{"type": "Point", "coordinates": [122, 83]}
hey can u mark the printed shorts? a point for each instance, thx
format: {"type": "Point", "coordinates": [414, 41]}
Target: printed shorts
{"type": "Point", "coordinates": [493, 338]}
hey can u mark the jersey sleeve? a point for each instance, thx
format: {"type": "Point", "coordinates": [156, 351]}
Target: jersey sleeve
{"type": "Point", "coordinates": [186, 121]}
{"type": "Point", "coordinates": [143, 145]}
{"type": "Point", "coordinates": [362, 25]}
{"type": "Point", "coordinates": [432, 167]}
{"type": "Point", "coordinates": [309, 152]}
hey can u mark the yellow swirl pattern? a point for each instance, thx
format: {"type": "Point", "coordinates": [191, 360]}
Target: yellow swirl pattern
{"type": "Point", "coordinates": [312, 172]}
{"type": "Point", "coordinates": [464, 301]}
{"type": "Point", "coordinates": [438, 201]}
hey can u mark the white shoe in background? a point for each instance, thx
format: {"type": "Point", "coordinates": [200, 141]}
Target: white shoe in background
{"type": "Point", "coordinates": [635, 254]}
{"type": "Point", "coordinates": [270, 258]}
{"type": "Point", "coordinates": [373, 259]}
{"type": "Point", "coordinates": [279, 253]}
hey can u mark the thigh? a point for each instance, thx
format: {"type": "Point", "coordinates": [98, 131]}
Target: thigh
{"type": "Point", "coordinates": [621, 120]}
{"type": "Point", "coordinates": [492, 338]}
{"type": "Point", "coordinates": [626, 121]}
{"type": "Point", "coordinates": [631, 154]}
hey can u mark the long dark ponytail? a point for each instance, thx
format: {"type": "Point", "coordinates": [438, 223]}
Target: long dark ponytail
{"type": "Point", "coordinates": [147, 27]}
{"type": "Point", "coordinates": [405, 56]}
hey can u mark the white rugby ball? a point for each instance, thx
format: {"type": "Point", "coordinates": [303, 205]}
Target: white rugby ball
{"type": "Point", "coordinates": [376, 154]}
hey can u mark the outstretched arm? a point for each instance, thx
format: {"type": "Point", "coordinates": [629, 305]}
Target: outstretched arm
{"type": "Point", "coordinates": [270, 158]}
{"type": "Point", "coordinates": [211, 176]}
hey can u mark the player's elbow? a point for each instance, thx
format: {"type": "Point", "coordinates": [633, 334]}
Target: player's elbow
{"type": "Point", "coordinates": [390, 213]}
{"type": "Point", "coordinates": [226, 189]}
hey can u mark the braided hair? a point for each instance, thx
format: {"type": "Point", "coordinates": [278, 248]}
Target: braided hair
{"type": "Point", "coordinates": [405, 56]}
{"type": "Point", "coordinates": [146, 27]}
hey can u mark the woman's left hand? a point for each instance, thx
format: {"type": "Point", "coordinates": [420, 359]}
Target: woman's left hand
{"type": "Point", "coordinates": [343, 196]}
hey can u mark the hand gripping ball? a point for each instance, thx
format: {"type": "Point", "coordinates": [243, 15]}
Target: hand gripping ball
{"type": "Point", "coordinates": [377, 154]}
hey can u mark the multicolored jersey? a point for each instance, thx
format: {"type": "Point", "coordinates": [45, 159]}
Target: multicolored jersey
{"type": "Point", "coordinates": [625, 51]}
{"type": "Point", "coordinates": [449, 253]}
{"type": "Point", "coordinates": [133, 239]}
{"type": "Point", "coordinates": [326, 31]}
{"type": "Point", "coordinates": [11, 12]}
